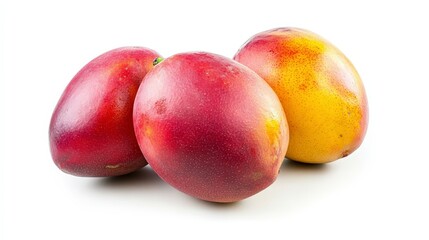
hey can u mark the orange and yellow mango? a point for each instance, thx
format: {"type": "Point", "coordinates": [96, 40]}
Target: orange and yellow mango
{"type": "Point", "coordinates": [320, 90]}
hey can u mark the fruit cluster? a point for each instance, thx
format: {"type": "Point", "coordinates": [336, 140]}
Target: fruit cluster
{"type": "Point", "coordinates": [215, 128]}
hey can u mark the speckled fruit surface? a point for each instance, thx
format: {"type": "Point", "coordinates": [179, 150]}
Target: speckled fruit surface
{"type": "Point", "coordinates": [320, 90]}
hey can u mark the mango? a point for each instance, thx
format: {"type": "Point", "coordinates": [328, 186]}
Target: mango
{"type": "Point", "coordinates": [210, 127]}
{"type": "Point", "coordinates": [321, 92]}
{"type": "Point", "coordinates": [91, 131]}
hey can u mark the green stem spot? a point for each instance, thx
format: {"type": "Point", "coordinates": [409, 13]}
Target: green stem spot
{"type": "Point", "coordinates": [157, 60]}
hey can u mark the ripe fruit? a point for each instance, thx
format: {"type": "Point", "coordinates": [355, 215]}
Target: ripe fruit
{"type": "Point", "coordinates": [91, 131]}
{"type": "Point", "coordinates": [210, 127]}
{"type": "Point", "coordinates": [321, 92]}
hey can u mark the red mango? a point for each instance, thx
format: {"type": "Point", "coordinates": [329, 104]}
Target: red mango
{"type": "Point", "coordinates": [210, 127]}
{"type": "Point", "coordinates": [91, 131]}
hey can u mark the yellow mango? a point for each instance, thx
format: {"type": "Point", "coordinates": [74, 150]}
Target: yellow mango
{"type": "Point", "coordinates": [320, 90]}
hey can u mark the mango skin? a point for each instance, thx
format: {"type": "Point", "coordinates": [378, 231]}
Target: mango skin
{"type": "Point", "coordinates": [91, 131]}
{"type": "Point", "coordinates": [210, 127]}
{"type": "Point", "coordinates": [320, 90]}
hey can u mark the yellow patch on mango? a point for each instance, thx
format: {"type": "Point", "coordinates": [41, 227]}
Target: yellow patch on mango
{"type": "Point", "coordinates": [148, 131]}
{"type": "Point", "coordinates": [272, 126]}
{"type": "Point", "coordinates": [256, 176]}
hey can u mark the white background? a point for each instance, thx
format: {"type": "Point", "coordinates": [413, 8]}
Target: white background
{"type": "Point", "coordinates": [378, 192]}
